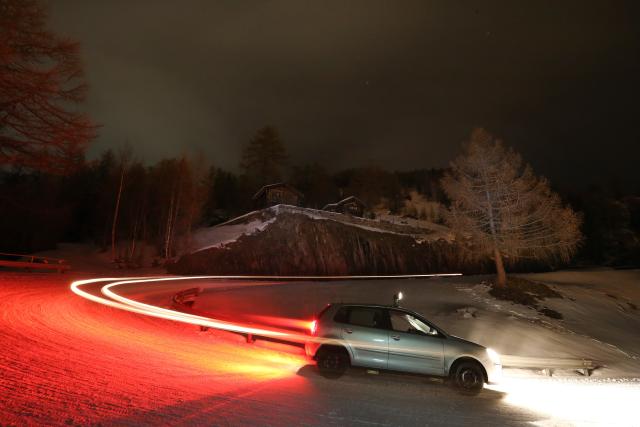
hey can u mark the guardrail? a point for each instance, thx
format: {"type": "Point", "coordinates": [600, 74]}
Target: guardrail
{"type": "Point", "coordinates": [185, 298]}
{"type": "Point", "coordinates": [549, 365]}
{"type": "Point", "coordinates": [33, 262]}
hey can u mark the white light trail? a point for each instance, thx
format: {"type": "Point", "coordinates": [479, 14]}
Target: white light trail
{"type": "Point", "coordinates": [116, 300]}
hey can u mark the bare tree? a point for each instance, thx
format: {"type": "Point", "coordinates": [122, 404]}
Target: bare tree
{"type": "Point", "coordinates": [506, 210]}
{"type": "Point", "coordinates": [187, 197]}
{"type": "Point", "coordinates": [40, 81]}
{"type": "Point", "coordinates": [172, 215]}
{"type": "Point", "coordinates": [197, 195]}
{"type": "Point", "coordinates": [125, 156]}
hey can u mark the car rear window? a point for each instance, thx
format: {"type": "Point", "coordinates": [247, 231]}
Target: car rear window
{"type": "Point", "coordinates": [323, 311]}
{"type": "Point", "coordinates": [362, 317]}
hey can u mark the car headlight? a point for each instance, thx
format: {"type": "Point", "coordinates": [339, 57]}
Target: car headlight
{"type": "Point", "coordinates": [494, 356]}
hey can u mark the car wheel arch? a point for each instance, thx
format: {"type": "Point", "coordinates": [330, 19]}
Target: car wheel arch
{"type": "Point", "coordinates": [463, 359]}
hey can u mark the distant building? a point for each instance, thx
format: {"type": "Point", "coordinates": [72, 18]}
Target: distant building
{"type": "Point", "coordinates": [276, 194]}
{"type": "Point", "coordinates": [351, 205]}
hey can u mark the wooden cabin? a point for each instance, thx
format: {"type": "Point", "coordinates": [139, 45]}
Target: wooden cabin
{"type": "Point", "coordinates": [276, 194]}
{"type": "Point", "coordinates": [350, 205]}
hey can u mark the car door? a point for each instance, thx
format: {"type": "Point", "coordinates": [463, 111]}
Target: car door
{"type": "Point", "coordinates": [364, 329]}
{"type": "Point", "coordinates": [414, 346]}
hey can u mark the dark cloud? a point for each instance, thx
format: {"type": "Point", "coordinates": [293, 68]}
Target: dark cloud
{"type": "Point", "coordinates": [398, 84]}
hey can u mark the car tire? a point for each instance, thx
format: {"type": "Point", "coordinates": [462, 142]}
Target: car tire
{"type": "Point", "coordinates": [332, 362]}
{"type": "Point", "coordinates": [468, 378]}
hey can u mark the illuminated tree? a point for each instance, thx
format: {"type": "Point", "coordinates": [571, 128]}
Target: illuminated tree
{"type": "Point", "coordinates": [40, 81]}
{"type": "Point", "coordinates": [504, 208]}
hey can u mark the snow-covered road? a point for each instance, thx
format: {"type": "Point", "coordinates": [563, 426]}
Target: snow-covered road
{"type": "Point", "coordinates": [67, 360]}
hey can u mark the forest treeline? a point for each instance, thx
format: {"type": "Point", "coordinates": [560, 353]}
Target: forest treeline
{"type": "Point", "coordinates": [117, 202]}
{"type": "Point", "coordinates": [123, 205]}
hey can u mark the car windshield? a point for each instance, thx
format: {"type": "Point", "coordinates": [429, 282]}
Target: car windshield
{"type": "Point", "coordinates": [405, 322]}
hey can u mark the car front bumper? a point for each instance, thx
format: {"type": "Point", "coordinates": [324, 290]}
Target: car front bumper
{"type": "Point", "coordinates": [494, 373]}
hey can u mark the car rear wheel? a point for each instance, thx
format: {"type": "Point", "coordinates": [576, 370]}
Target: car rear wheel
{"type": "Point", "coordinates": [332, 362]}
{"type": "Point", "coordinates": [468, 378]}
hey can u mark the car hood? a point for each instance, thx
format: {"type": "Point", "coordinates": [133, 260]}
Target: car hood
{"type": "Point", "coordinates": [464, 343]}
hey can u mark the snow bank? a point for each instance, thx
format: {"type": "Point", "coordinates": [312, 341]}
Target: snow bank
{"type": "Point", "coordinates": [382, 224]}
{"type": "Point", "coordinates": [254, 222]}
{"type": "Point", "coordinates": [221, 235]}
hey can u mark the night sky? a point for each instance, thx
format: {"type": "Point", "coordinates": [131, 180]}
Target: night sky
{"type": "Point", "coordinates": [397, 84]}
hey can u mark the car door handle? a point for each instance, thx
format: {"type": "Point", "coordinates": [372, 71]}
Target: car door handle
{"type": "Point", "coordinates": [396, 337]}
{"type": "Point", "coordinates": [347, 330]}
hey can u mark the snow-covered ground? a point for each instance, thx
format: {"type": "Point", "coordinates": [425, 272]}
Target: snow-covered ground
{"type": "Point", "coordinates": [69, 361]}
{"type": "Point", "coordinates": [66, 360]}
{"type": "Point", "coordinates": [88, 259]}
{"type": "Point", "coordinates": [221, 235]}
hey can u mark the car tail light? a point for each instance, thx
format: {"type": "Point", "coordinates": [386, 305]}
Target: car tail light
{"type": "Point", "coordinates": [313, 327]}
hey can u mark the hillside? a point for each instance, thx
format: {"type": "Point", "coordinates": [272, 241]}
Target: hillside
{"type": "Point", "coordinates": [289, 240]}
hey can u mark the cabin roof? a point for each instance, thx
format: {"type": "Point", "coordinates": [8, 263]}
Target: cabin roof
{"type": "Point", "coordinates": [276, 185]}
{"type": "Point", "coordinates": [343, 202]}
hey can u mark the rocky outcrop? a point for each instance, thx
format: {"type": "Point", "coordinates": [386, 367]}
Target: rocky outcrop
{"type": "Point", "coordinates": [295, 243]}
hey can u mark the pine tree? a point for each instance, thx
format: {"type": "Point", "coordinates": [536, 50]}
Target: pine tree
{"type": "Point", "coordinates": [265, 158]}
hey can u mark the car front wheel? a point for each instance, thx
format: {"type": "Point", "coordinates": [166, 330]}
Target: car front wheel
{"type": "Point", "coordinates": [468, 377]}
{"type": "Point", "coordinates": [332, 362]}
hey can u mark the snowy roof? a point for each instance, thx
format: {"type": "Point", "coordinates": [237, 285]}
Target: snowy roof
{"type": "Point", "coordinates": [275, 185]}
{"type": "Point", "coordinates": [344, 201]}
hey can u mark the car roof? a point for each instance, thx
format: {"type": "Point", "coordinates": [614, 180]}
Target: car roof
{"type": "Point", "coordinates": [360, 304]}
{"type": "Point", "coordinates": [388, 307]}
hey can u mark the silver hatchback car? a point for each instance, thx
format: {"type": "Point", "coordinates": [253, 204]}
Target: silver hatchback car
{"type": "Point", "coordinates": [393, 338]}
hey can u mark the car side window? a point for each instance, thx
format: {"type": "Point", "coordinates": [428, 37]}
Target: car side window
{"type": "Point", "coordinates": [405, 322]}
{"type": "Point", "coordinates": [361, 316]}
{"type": "Point", "coordinates": [342, 316]}
{"type": "Point", "coordinates": [367, 317]}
